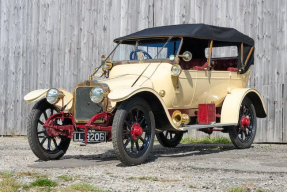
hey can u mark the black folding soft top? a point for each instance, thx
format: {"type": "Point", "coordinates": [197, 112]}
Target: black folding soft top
{"type": "Point", "coordinates": [202, 31]}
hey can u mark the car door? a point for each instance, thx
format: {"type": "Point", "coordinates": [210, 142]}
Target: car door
{"type": "Point", "coordinates": [185, 93]}
{"type": "Point", "coordinates": [196, 87]}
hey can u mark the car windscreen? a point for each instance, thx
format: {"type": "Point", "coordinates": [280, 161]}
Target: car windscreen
{"type": "Point", "coordinates": [147, 49]}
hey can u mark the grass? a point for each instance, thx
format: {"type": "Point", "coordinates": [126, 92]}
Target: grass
{"type": "Point", "coordinates": [143, 178]}
{"type": "Point", "coordinates": [148, 178]}
{"type": "Point", "coordinates": [31, 174]}
{"type": "Point", "coordinates": [43, 183]}
{"type": "Point", "coordinates": [6, 174]}
{"type": "Point", "coordinates": [65, 178]}
{"type": "Point", "coordinates": [151, 179]}
{"type": "Point", "coordinates": [192, 186]}
{"type": "Point", "coordinates": [244, 189]}
{"type": "Point", "coordinates": [208, 140]}
{"type": "Point", "coordinates": [109, 173]}
{"type": "Point", "coordinates": [238, 190]}
{"type": "Point", "coordinates": [9, 184]}
{"type": "Point", "coordinates": [83, 187]}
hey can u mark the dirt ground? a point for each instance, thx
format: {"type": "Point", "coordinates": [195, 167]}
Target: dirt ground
{"type": "Point", "coordinates": [189, 167]}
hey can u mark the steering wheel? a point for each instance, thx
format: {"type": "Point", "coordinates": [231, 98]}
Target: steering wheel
{"type": "Point", "coordinates": [134, 56]}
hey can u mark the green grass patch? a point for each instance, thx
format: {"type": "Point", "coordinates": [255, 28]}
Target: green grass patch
{"type": "Point", "coordinates": [43, 183]}
{"type": "Point", "coordinates": [65, 178]}
{"type": "Point", "coordinates": [9, 184]}
{"type": "Point", "coordinates": [143, 178]}
{"type": "Point", "coordinates": [26, 187]}
{"type": "Point", "coordinates": [31, 174]}
{"type": "Point", "coordinates": [6, 174]}
{"type": "Point", "coordinates": [148, 178]}
{"type": "Point", "coordinates": [208, 140]}
{"type": "Point", "coordinates": [152, 179]}
{"type": "Point", "coordinates": [109, 173]}
{"type": "Point", "coordinates": [237, 190]}
{"type": "Point", "coordinates": [244, 189]}
{"type": "Point", "coordinates": [192, 186]}
{"type": "Point", "coordinates": [85, 187]}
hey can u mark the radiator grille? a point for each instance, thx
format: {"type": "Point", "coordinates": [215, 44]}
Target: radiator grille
{"type": "Point", "coordinates": [85, 109]}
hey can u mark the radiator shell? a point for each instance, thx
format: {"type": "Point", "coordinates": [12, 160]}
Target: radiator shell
{"type": "Point", "coordinates": [85, 109]}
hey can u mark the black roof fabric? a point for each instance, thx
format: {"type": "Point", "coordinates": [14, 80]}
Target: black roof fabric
{"type": "Point", "coordinates": [193, 30]}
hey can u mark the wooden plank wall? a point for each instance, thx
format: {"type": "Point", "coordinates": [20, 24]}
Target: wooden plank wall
{"type": "Point", "coordinates": [51, 43]}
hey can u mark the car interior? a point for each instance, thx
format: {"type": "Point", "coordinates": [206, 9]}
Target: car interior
{"type": "Point", "coordinates": [198, 48]}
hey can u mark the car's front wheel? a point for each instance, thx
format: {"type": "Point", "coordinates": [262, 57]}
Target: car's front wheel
{"type": "Point", "coordinates": [133, 131]}
{"type": "Point", "coordinates": [45, 147]}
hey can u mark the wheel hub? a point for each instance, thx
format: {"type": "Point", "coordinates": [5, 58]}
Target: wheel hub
{"type": "Point", "coordinates": [244, 122]}
{"type": "Point", "coordinates": [136, 131]}
{"type": "Point", "coordinates": [51, 132]}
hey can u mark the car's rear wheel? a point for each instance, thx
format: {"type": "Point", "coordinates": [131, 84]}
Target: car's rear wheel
{"type": "Point", "coordinates": [44, 146]}
{"type": "Point", "coordinates": [133, 131]}
{"type": "Point", "coordinates": [242, 135]}
{"type": "Point", "coordinates": [169, 138]}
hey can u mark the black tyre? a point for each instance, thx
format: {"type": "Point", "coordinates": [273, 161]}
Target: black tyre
{"type": "Point", "coordinates": [44, 147]}
{"type": "Point", "coordinates": [242, 135]}
{"type": "Point", "coordinates": [169, 138]}
{"type": "Point", "coordinates": [133, 131]}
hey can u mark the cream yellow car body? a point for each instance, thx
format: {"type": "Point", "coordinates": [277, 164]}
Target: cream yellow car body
{"type": "Point", "coordinates": [224, 88]}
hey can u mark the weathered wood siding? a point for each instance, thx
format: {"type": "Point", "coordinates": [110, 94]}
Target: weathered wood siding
{"type": "Point", "coordinates": [52, 43]}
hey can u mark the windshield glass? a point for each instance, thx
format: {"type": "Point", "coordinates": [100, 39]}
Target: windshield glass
{"type": "Point", "coordinates": [146, 49]}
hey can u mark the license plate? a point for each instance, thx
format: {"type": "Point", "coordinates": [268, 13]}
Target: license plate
{"type": "Point", "coordinates": [92, 137]}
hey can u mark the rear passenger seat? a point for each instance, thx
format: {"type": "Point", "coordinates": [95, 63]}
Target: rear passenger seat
{"type": "Point", "coordinates": [187, 65]}
{"type": "Point", "coordinates": [225, 64]}
{"type": "Point", "coordinates": [218, 64]}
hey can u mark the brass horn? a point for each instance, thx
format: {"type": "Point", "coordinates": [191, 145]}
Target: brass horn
{"type": "Point", "coordinates": [179, 118]}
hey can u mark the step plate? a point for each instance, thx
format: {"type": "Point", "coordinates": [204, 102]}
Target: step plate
{"type": "Point", "coordinates": [200, 126]}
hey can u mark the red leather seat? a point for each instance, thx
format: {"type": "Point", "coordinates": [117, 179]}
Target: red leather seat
{"type": "Point", "coordinates": [223, 64]}
{"type": "Point", "coordinates": [232, 69]}
{"type": "Point", "coordinates": [201, 68]}
{"type": "Point", "coordinates": [186, 65]}
{"type": "Point", "coordinates": [219, 64]}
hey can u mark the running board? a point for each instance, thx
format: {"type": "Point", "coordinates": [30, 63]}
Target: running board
{"type": "Point", "coordinates": [200, 126]}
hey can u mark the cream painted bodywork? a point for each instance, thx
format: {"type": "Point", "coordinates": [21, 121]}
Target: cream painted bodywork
{"type": "Point", "coordinates": [195, 87]}
{"type": "Point", "coordinates": [125, 93]}
{"type": "Point", "coordinates": [232, 102]}
{"type": "Point", "coordinates": [224, 88]}
{"type": "Point", "coordinates": [36, 95]}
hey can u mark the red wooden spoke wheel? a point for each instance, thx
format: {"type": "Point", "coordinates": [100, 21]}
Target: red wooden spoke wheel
{"type": "Point", "coordinates": [133, 131]}
{"type": "Point", "coordinates": [43, 143]}
{"type": "Point", "coordinates": [243, 134]}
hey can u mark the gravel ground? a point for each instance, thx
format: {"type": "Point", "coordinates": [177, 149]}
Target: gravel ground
{"type": "Point", "coordinates": [189, 167]}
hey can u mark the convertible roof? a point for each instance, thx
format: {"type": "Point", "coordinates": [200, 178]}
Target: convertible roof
{"type": "Point", "coordinates": [201, 31]}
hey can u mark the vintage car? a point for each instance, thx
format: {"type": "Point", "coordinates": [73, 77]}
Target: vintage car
{"type": "Point", "coordinates": [160, 81]}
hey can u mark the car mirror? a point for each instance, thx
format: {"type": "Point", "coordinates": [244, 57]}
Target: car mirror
{"type": "Point", "coordinates": [186, 56]}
